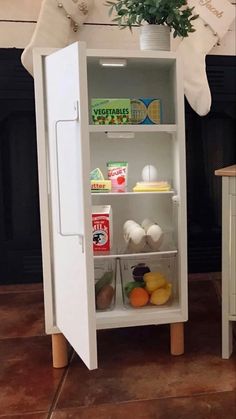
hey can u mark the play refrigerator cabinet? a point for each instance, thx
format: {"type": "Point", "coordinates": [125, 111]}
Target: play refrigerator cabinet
{"type": "Point", "coordinates": [70, 145]}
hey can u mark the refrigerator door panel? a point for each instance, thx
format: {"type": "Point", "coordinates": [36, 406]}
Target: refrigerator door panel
{"type": "Point", "coordinates": [69, 168]}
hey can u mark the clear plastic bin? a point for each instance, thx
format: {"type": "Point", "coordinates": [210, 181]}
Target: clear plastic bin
{"type": "Point", "coordinates": [105, 284]}
{"type": "Point", "coordinates": [159, 286]}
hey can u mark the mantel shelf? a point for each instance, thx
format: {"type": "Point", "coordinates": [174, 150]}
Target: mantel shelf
{"type": "Point", "coordinates": [169, 128]}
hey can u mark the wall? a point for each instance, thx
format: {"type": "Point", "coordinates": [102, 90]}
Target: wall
{"type": "Point", "coordinates": [18, 19]}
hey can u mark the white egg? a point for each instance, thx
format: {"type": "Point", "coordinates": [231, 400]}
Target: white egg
{"type": "Point", "coordinates": [154, 236]}
{"type": "Point", "coordinates": [134, 235]}
{"type": "Point", "coordinates": [149, 173]}
{"type": "Point", "coordinates": [137, 239]}
{"type": "Point", "coordinates": [128, 226]}
{"type": "Point", "coordinates": [146, 223]}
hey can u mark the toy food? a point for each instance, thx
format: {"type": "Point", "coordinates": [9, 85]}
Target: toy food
{"type": "Point", "coordinates": [160, 186]}
{"type": "Point", "coordinates": [161, 296]}
{"type": "Point", "coordinates": [100, 186]}
{"type": "Point", "coordinates": [138, 297]}
{"type": "Point", "coordinates": [111, 111]}
{"type": "Point", "coordinates": [133, 284]}
{"type": "Point", "coordinates": [102, 227]}
{"type": "Point", "coordinates": [139, 270]}
{"type": "Point", "coordinates": [149, 173]}
{"type": "Point", "coordinates": [154, 234]}
{"type": "Point", "coordinates": [134, 236]}
{"type": "Point", "coordinates": [104, 297]}
{"type": "Point", "coordinates": [150, 276]}
{"type": "Point", "coordinates": [146, 111]}
{"type": "Point", "coordinates": [154, 280]}
{"type": "Point", "coordinates": [96, 174]}
{"type": "Point", "coordinates": [118, 173]}
{"type": "Point", "coordinates": [106, 279]}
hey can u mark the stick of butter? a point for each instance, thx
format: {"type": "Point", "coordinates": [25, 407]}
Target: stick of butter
{"type": "Point", "coordinates": [100, 185]}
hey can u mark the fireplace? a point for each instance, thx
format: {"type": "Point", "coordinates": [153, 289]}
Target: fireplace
{"type": "Point", "coordinates": [20, 254]}
{"type": "Point", "coordinates": [210, 144]}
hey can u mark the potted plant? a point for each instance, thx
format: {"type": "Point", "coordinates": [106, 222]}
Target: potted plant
{"type": "Point", "coordinates": [156, 18]}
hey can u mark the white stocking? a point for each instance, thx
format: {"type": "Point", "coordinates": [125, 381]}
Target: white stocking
{"type": "Point", "coordinates": [215, 17]}
{"type": "Point", "coordinates": [57, 18]}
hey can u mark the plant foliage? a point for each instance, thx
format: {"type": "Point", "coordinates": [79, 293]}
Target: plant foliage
{"type": "Point", "coordinates": [173, 13]}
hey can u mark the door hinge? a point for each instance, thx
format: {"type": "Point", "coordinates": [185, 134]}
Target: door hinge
{"type": "Point", "coordinates": [81, 242]}
{"type": "Point", "coordinates": [176, 199]}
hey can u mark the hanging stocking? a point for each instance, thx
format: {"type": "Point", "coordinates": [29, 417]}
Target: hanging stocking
{"type": "Point", "coordinates": [215, 17]}
{"type": "Point", "coordinates": [56, 20]}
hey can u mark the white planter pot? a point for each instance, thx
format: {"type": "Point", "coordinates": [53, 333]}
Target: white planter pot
{"type": "Point", "coordinates": [155, 37]}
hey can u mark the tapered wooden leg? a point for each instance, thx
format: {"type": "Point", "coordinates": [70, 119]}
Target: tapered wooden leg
{"type": "Point", "coordinates": [59, 351]}
{"type": "Point", "coordinates": [177, 338]}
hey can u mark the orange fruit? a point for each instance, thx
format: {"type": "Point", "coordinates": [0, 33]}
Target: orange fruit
{"type": "Point", "coordinates": [138, 297]}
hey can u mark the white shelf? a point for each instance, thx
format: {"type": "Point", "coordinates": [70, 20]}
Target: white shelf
{"type": "Point", "coordinates": [107, 255]}
{"type": "Point", "coordinates": [121, 316]}
{"type": "Point", "coordinates": [171, 192]}
{"type": "Point", "coordinates": [170, 128]}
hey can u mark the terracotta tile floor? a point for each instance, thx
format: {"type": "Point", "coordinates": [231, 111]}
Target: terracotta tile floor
{"type": "Point", "coordinates": [137, 377]}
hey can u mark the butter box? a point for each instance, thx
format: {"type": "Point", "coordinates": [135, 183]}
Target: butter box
{"type": "Point", "coordinates": [146, 111]}
{"type": "Point", "coordinates": [111, 111]}
{"type": "Point", "coordinates": [100, 186]}
{"type": "Point", "coordinates": [102, 227]}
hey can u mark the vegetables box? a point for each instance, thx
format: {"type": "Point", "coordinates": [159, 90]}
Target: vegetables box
{"type": "Point", "coordinates": [111, 111]}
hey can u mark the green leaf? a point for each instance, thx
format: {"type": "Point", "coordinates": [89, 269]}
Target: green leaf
{"type": "Point", "coordinates": [152, 10]}
{"type": "Point", "coordinates": [170, 18]}
{"type": "Point", "coordinates": [194, 17]}
{"type": "Point", "coordinates": [174, 13]}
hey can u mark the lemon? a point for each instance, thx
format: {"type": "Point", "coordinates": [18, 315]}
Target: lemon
{"type": "Point", "coordinates": [161, 295]}
{"type": "Point", "coordinates": [155, 283]}
{"type": "Point", "coordinates": [153, 275]}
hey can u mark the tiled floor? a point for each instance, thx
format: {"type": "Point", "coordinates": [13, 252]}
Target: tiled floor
{"type": "Point", "coordinates": [137, 377]}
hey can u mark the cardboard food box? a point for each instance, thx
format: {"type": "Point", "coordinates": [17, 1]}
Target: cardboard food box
{"type": "Point", "coordinates": [100, 186]}
{"type": "Point", "coordinates": [146, 111]}
{"type": "Point", "coordinates": [111, 111]}
{"type": "Point", "coordinates": [102, 227]}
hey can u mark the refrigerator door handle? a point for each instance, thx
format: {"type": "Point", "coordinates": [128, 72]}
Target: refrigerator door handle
{"type": "Point", "coordinates": [67, 175]}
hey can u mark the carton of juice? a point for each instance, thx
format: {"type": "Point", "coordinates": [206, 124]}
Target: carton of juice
{"type": "Point", "coordinates": [102, 227]}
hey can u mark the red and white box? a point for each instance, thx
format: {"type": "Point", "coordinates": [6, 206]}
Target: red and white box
{"type": "Point", "coordinates": [102, 228]}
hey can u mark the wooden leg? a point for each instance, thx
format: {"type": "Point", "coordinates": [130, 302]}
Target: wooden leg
{"type": "Point", "coordinates": [59, 351]}
{"type": "Point", "coordinates": [177, 338]}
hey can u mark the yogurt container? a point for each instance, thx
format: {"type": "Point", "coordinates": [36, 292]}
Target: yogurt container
{"type": "Point", "coordinates": [118, 174]}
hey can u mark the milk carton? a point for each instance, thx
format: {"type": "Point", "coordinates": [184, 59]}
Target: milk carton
{"type": "Point", "coordinates": [102, 227]}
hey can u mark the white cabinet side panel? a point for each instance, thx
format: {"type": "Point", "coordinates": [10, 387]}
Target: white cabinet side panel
{"type": "Point", "coordinates": [179, 165]}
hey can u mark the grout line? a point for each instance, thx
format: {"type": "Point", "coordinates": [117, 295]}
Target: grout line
{"type": "Point", "coordinates": [16, 414]}
{"type": "Point", "coordinates": [2, 338]}
{"type": "Point", "coordinates": [21, 288]}
{"type": "Point", "coordinates": [59, 389]}
{"type": "Point", "coordinates": [21, 292]}
{"type": "Point", "coordinates": [77, 409]}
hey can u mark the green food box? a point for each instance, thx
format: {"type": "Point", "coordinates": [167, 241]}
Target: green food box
{"type": "Point", "coordinates": [111, 111]}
